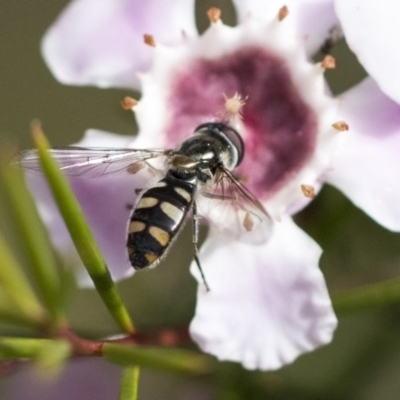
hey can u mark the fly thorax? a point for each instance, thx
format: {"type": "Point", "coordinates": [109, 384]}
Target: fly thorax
{"type": "Point", "coordinates": [224, 142]}
{"type": "Point", "coordinates": [211, 145]}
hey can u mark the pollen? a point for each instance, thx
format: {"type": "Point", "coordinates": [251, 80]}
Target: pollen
{"type": "Point", "coordinates": [283, 13]}
{"type": "Point", "coordinates": [128, 103]}
{"type": "Point", "coordinates": [214, 14]}
{"type": "Point", "coordinates": [308, 191]}
{"type": "Point", "coordinates": [341, 126]}
{"type": "Point", "coordinates": [328, 62]}
{"type": "Point", "coordinates": [149, 40]}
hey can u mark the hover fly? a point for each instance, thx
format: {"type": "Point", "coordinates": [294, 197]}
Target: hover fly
{"type": "Point", "coordinates": [196, 175]}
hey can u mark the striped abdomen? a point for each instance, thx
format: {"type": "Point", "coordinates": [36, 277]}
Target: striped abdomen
{"type": "Point", "coordinates": [156, 220]}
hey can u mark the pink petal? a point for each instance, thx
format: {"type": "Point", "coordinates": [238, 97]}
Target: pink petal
{"type": "Point", "coordinates": [101, 42]}
{"type": "Point", "coordinates": [314, 17]}
{"type": "Point", "coordinates": [367, 165]}
{"type": "Point", "coordinates": [372, 30]}
{"type": "Point", "coordinates": [267, 304]}
{"type": "Point", "coordinates": [106, 203]}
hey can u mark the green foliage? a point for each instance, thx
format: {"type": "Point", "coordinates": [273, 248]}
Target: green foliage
{"type": "Point", "coordinates": [159, 358]}
{"type": "Point", "coordinates": [81, 235]}
{"type": "Point", "coordinates": [129, 384]}
{"type": "Point", "coordinates": [48, 354]}
{"type": "Point", "coordinates": [34, 237]}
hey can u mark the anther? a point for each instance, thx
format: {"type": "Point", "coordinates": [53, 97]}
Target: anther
{"type": "Point", "coordinates": [149, 40]}
{"type": "Point", "coordinates": [214, 15]}
{"type": "Point", "coordinates": [127, 103]}
{"type": "Point", "coordinates": [308, 191]}
{"type": "Point", "coordinates": [328, 62]}
{"type": "Point", "coordinates": [341, 126]}
{"type": "Point", "coordinates": [283, 13]}
{"type": "Point", "coordinates": [234, 105]}
{"type": "Point", "coordinates": [36, 128]}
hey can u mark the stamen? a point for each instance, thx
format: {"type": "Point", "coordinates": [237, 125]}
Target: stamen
{"type": "Point", "coordinates": [283, 13]}
{"type": "Point", "coordinates": [341, 126]}
{"type": "Point", "coordinates": [149, 40]}
{"type": "Point", "coordinates": [234, 106]}
{"type": "Point", "coordinates": [214, 14]}
{"type": "Point", "coordinates": [328, 62]}
{"type": "Point", "coordinates": [128, 103]}
{"type": "Point", "coordinates": [308, 191]}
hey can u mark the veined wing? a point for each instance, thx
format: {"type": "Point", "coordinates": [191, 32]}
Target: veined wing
{"type": "Point", "coordinates": [92, 162]}
{"type": "Point", "coordinates": [234, 211]}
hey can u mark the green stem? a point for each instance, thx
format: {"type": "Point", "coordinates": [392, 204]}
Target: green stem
{"type": "Point", "coordinates": [367, 297]}
{"type": "Point", "coordinates": [158, 358]}
{"type": "Point", "coordinates": [81, 235]}
{"type": "Point", "coordinates": [129, 384]}
{"type": "Point", "coordinates": [34, 237]}
{"type": "Point", "coordinates": [17, 288]}
{"type": "Point", "coordinates": [31, 348]}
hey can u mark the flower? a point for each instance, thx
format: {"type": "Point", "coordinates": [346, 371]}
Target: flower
{"type": "Point", "coordinates": [268, 303]}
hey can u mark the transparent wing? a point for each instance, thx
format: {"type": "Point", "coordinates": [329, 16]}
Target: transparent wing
{"type": "Point", "coordinates": [234, 211]}
{"type": "Point", "coordinates": [92, 162]}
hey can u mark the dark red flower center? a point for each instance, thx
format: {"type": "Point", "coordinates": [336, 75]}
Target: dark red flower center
{"type": "Point", "coordinates": [280, 128]}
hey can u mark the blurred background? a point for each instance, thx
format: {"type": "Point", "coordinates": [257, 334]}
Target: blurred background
{"type": "Point", "coordinates": [363, 362]}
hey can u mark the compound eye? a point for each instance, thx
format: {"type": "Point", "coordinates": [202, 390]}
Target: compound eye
{"type": "Point", "coordinates": [227, 134]}
{"type": "Point", "coordinates": [233, 136]}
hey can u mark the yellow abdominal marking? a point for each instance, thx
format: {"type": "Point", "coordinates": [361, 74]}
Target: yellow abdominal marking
{"type": "Point", "coordinates": [146, 202]}
{"type": "Point", "coordinates": [172, 211]}
{"type": "Point", "coordinates": [160, 184]}
{"type": "Point", "coordinates": [136, 226]}
{"type": "Point", "coordinates": [184, 193]}
{"type": "Point", "coordinates": [150, 257]}
{"type": "Point", "coordinates": [160, 235]}
{"type": "Point", "coordinates": [131, 250]}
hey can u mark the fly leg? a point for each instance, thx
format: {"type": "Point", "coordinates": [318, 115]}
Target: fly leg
{"type": "Point", "coordinates": [195, 240]}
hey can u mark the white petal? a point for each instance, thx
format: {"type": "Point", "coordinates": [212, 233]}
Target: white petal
{"type": "Point", "coordinates": [105, 203]}
{"type": "Point", "coordinates": [101, 42]}
{"type": "Point", "coordinates": [314, 18]}
{"type": "Point", "coordinates": [367, 164]}
{"type": "Point", "coordinates": [372, 31]}
{"type": "Point", "coordinates": [267, 304]}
